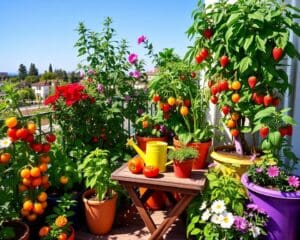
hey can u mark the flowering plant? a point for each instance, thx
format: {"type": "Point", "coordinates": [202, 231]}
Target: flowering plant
{"type": "Point", "coordinates": [223, 210]}
{"type": "Point", "coordinates": [58, 224]}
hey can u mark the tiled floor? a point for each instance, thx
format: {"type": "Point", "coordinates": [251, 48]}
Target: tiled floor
{"type": "Point", "coordinates": [134, 229]}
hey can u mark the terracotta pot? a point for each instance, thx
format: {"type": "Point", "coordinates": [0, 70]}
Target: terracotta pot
{"type": "Point", "coordinates": [183, 169]}
{"type": "Point", "coordinates": [227, 156]}
{"type": "Point", "coordinates": [201, 147]}
{"type": "Point", "coordinates": [99, 214]}
{"type": "Point", "coordinates": [21, 229]}
{"type": "Point", "coordinates": [72, 236]}
{"type": "Point", "coordinates": [157, 200]}
{"type": "Point", "coordinates": [142, 141]}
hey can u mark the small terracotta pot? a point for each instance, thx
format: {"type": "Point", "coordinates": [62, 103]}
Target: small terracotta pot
{"type": "Point", "coordinates": [99, 215]}
{"type": "Point", "coordinates": [183, 169]}
{"type": "Point", "coordinates": [201, 147]}
{"type": "Point", "coordinates": [72, 236]}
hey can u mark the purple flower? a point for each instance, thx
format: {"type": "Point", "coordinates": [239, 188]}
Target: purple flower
{"type": "Point", "coordinates": [127, 98]}
{"type": "Point", "coordinates": [132, 58]}
{"type": "Point", "coordinates": [254, 207]}
{"type": "Point", "coordinates": [259, 170]}
{"type": "Point", "coordinates": [141, 39]}
{"type": "Point", "coordinates": [293, 181]}
{"type": "Point", "coordinates": [131, 74]}
{"type": "Point", "coordinates": [91, 72]}
{"type": "Point", "coordinates": [162, 129]}
{"type": "Point", "coordinates": [273, 171]}
{"type": "Point", "coordinates": [100, 88]}
{"type": "Point", "coordinates": [240, 223]}
{"type": "Point", "coordinates": [140, 111]}
{"type": "Point", "coordinates": [136, 74]}
{"type": "Point", "coordinates": [211, 165]}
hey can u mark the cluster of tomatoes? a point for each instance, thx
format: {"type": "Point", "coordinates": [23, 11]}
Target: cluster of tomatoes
{"type": "Point", "coordinates": [33, 177]}
{"type": "Point", "coordinates": [284, 131]}
{"type": "Point", "coordinates": [171, 104]}
{"type": "Point", "coordinates": [136, 166]}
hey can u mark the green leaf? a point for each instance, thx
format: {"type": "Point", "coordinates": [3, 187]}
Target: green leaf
{"type": "Point", "coordinates": [275, 138]}
{"type": "Point", "coordinates": [245, 64]}
{"type": "Point", "coordinates": [289, 120]}
{"type": "Point", "coordinates": [196, 231]}
{"type": "Point", "coordinates": [257, 16]}
{"type": "Point", "coordinates": [265, 113]}
{"type": "Point", "coordinates": [233, 19]}
{"type": "Point", "coordinates": [260, 43]}
{"type": "Point", "coordinates": [248, 42]}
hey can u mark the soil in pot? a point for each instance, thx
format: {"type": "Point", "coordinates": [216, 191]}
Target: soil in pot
{"type": "Point", "coordinates": [21, 229]}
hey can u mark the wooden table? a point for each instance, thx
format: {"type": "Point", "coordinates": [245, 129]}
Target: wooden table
{"type": "Point", "coordinates": [187, 187]}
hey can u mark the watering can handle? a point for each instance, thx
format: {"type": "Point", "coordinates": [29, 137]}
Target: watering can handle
{"type": "Point", "coordinates": [170, 162]}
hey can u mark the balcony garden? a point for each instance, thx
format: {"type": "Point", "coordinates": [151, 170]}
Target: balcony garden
{"type": "Point", "coordinates": [56, 168]}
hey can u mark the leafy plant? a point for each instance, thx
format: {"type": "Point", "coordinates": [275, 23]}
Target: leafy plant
{"type": "Point", "coordinates": [219, 213]}
{"type": "Point", "coordinates": [182, 154]}
{"type": "Point", "coordinates": [241, 46]}
{"type": "Point", "coordinates": [97, 168]}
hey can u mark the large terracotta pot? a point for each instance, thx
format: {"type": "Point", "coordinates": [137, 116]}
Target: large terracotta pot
{"type": "Point", "coordinates": [283, 209]}
{"type": "Point", "coordinates": [21, 229]}
{"type": "Point", "coordinates": [157, 200]}
{"type": "Point", "coordinates": [183, 169]}
{"type": "Point", "coordinates": [99, 214]}
{"type": "Point", "coordinates": [201, 147]}
{"type": "Point", "coordinates": [227, 156]}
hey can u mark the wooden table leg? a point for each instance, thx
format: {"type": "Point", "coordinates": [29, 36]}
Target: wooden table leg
{"type": "Point", "coordinates": [171, 217]}
{"type": "Point", "coordinates": [141, 209]}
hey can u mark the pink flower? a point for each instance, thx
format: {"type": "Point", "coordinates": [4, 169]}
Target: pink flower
{"type": "Point", "coordinates": [141, 39]}
{"type": "Point", "coordinates": [91, 72]}
{"type": "Point", "coordinates": [259, 170]}
{"type": "Point", "coordinates": [136, 74]}
{"type": "Point", "coordinates": [132, 58]}
{"type": "Point", "coordinates": [273, 171]}
{"type": "Point", "coordinates": [293, 181]}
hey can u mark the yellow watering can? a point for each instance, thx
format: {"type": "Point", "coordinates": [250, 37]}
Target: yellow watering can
{"type": "Point", "coordinates": [156, 153]}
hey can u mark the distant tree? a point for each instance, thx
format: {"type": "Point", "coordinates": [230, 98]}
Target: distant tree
{"type": "Point", "coordinates": [74, 77]}
{"type": "Point", "coordinates": [61, 74]}
{"type": "Point", "coordinates": [65, 76]}
{"type": "Point", "coordinates": [26, 94]}
{"type": "Point", "coordinates": [33, 71]}
{"type": "Point", "coordinates": [50, 68]}
{"type": "Point", "coordinates": [13, 79]}
{"type": "Point", "coordinates": [22, 72]}
{"type": "Point", "coordinates": [48, 76]}
{"type": "Point", "coordinates": [31, 79]}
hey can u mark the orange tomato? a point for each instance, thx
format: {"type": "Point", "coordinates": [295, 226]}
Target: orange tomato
{"type": "Point", "coordinates": [24, 212]}
{"type": "Point", "coordinates": [234, 132]}
{"type": "Point", "coordinates": [28, 205]}
{"type": "Point", "coordinates": [236, 85]}
{"type": "Point", "coordinates": [26, 181]}
{"type": "Point", "coordinates": [22, 188]}
{"type": "Point", "coordinates": [32, 217]}
{"type": "Point", "coordinates": [184, 110]}
{"type": "Point", "coordinates": [171, 101]}
{"type": "Point", "coordinates": [44, 204]}
{"type": "Point", "coordinates": [44, 231]}
{"type": "Point", "coordinates": [145, 124]}
{"type": "Point", "coordinates": [45, 158]}
{"type": "Point", "coordinates": [25, 173]}
{"type": "Point", "coordinates": [42, 197]}
{"type": "Point", "coordinates": [31, 127]}
{"type": "Point", "coordinates": [37, 181]}
{"type": "Point", "coordinates": [11, 122]}
{"type": "Point", "coordinates": [235, 116]}
{"type": "Point", "coordinates": [62, 236]}
{"type": "Point", "coordinates": [61, 221]}
{"type": "Point", "coordinates": [5, 157]}
{"type": "Point", "coordinates": [235, 97]}
{"type": "Point", "coordinates": [35, 172]}
{"type": "Point", "coordinates": [43, 167]}
{"type": "Point", "coordinates": [230, 123]}
{"type": "Point", "coordinates": [45, 179]}
{"type": "Point", "coordinates": [63, 180]}
{"type": "Point", "coordinates": [135, 165]}
{"type": "Point", "coordinates": [38, 208]}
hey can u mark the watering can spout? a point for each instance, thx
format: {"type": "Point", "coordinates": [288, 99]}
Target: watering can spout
{"type": "Point", "coordinates": [139, 151]}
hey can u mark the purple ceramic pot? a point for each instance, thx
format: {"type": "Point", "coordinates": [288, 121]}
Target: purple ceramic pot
{"type": "Point", "coordinates": [283, 209]}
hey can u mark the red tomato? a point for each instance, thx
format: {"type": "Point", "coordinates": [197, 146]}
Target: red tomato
{"type": "Point", "coordinates": [50, 137]}
{"type": "Point", "coordinates": [151, 171]}
{"type": "Point", "coordinates": [135, 165]}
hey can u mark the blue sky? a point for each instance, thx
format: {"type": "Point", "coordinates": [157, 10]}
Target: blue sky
{"type": "Point", "coordinates": [43, 31]}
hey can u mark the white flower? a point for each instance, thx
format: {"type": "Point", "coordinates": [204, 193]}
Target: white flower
{"type": "Point", "coordinates": [206, 214]}
{"type": "Point", "coordinates": [218, 206]}
{"type": "Point", "coordinates": [203, 206]}
{"type": "Point", "coordinates": [5, 142]}
{"type": "Point", "coordinates": [227, 220]}
{"type": "Point", "coordinates": [217, 219]}
{"type": "Point", "coordinates": [255, 231]}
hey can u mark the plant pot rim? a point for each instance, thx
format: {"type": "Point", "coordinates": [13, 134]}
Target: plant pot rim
{"type": "Point", "coordinates": [87, 193]}
{"type": "Point", "coordinates": [225, 157]}
{"type": "Point", "coordinates": [192, 142]}
{"type": "Point", "coordinates": [185, 160]}
{"type": "Point", "coordinates": [151, 137]}
{"type": "Point", "coordinates": [268, 192]}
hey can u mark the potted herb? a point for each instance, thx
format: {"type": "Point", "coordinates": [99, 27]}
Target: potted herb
{"type": "Point", "coordinates": [100, 200]}
{"type": "Point", "coordinates": [183, 161]}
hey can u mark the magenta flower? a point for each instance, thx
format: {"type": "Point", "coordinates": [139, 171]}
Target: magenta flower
{"type": "Point", "coordinates": [136, 74]}
{"type": "Point", "coordinates": [91, 72]}
{"type": "Point", "coordinates": [293, 181]}
{"type": "Point", "coordinates": [100, 88]}
{"type": "Point", "coordinates": [240, 223]}
{"type": "Point", "coordinates": [140, 111]}
{"type": "Point", "coordinates": [127, 98]}
{"type": "Point", "coordinates": [259, 170]}
{"type": "Point", "coordinates": [132, 58]}
{"type": "Point", "coordinates": [141, 39]}
{"type": "Point", "coordinates": [273, 171]}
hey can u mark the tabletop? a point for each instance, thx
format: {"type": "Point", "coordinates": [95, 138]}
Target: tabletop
{"type": "Point", "coordinates": [164, 181]}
